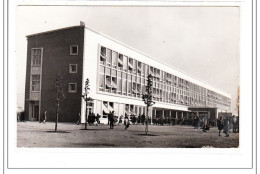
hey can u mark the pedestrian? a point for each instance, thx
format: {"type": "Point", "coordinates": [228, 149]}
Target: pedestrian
{"type": "Point", "coordinates": [45, 117]}
{"type": "Point", "coordinates": [237, 125]}
{"type": "Point", "coordinates": [126, 122]}
{"type": "Point", "coordinates": [120, 120]}
{"type": "Point", "coordinates": [111, 120]}
{"type": "Point", "coordinates": [98, 118]}
{"type": "Point", "coordinates": [230, 121]}
{"type": "Point", "coordinates": [196, 122]}
{"type": "Point", "coordinates": [219, 125]}
{"type": "Point", "coordinates": [142, 119]}
{"type": "Point", "coordinates": [18, 116]}
{"type": "Point", "coordinates": [108, 117]}
{"type": "Point", "coordinates": [234, 120]}
{"type": "Point", "coordinates": [79, 117]}
{"type": "Point", "coordinates": [226, 127]}
{"type": "Point", "coordinates": [204, 128]}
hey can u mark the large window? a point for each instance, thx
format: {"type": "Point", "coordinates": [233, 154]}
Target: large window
{"type": "Point", "coordinates": [127, 76]}
{"type": "Point", "coordinates": [35, 83]}
{"type": "Point", "coordinates": [36, 56]}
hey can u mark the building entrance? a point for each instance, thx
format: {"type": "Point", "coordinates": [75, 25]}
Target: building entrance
{"type": "Point", "coordinates": [34, 111]}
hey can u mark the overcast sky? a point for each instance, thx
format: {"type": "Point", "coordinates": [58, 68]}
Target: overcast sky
{"type": "Point", "coordinates": [200, 41]}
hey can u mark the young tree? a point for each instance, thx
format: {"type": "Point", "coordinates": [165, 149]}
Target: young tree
{"type": "Point", "coordinates": [87, 99]}
{"type": "Point", "coordinates": [60, 97]}
{"type": "Point", "coordinates": [148, 99]}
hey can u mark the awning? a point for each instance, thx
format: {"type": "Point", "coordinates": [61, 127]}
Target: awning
{"type": "Point", "coordinates": [105, 109]}
{"type": "Point", "coordinates": [113, 85]}
{"type": "Point", "coordinates": [127, 112]}
{"type": "Point", "coordinates": [103, 56]}
{"type": "Point", "coordinates": [120, 61]}
{"type": "Point", "coordinates": [108, 83]}
{"type": "Point", "coordinates": [110, 108]}
{"type": "Point", "coordinates": [130, 65]}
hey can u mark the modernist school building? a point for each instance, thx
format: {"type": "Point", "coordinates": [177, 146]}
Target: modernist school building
{"type": "Point", "coordinates": [117, 75]}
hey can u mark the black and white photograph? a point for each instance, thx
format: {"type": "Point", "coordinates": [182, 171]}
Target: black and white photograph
{"type": "Point", "coordinates": [164, 77]}
{"type": "Point", "coordinates": [130, 85]}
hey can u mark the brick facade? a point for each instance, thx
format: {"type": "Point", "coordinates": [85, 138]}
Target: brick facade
{"type": "Point", "coordinates": [56, 59]}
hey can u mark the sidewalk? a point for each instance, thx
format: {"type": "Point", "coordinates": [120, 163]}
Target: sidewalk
{"type": "Point", "coordinates": [35, 134]}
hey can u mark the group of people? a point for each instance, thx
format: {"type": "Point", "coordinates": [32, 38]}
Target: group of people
{"type": "Point", "coordinates": [227, 124]}
{"type": "Point", "coordinates": [111, 120]}
{"type": "Point", "coordinates": [92, 119]}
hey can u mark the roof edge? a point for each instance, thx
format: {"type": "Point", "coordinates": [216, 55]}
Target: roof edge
{"type": "Point", "coordinates": [50, 31]}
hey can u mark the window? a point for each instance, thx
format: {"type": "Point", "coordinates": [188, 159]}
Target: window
{"type": "Point", "coordinates": [73, 68]}
{"type": "Point", "coordinates": [35, 83]}
{"type": "Point", "coordinates": [36, 56]}
{"type": "Point", "coordinates": [74, 50]}
{"type": "Point", "coordinates": [72, 87]}
{"type": "Point", "coordinates": [101, 82]}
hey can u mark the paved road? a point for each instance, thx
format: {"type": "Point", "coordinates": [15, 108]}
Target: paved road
{"type": "Point", "coordinates": [34, 134]}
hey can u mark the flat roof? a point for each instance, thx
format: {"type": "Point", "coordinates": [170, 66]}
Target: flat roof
{"type": "Point", "coordinates": [51, 31]}
{"type": "Point", "coordinates": [129, 47]}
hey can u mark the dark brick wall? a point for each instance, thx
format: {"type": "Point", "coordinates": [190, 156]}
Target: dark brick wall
{"type": "Point", "coordinates": [56, 59]}
{"type": "Point", "coordinates": [27, 83]}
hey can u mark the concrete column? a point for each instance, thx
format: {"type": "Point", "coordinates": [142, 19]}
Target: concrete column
{"type": "Point", "coordinates": [176, 115]}
{"type": "Point", "coordinates": [162, 112]}
{"type": "Point", "coordinates": [182, 115]}
{"type": "Point", "coordinates": [170, 113]}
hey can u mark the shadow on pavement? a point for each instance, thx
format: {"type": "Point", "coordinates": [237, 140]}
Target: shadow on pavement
{"type": "Point", "coordinates": [58, 132]}
{"type": "Point", "coordinates": [146, 135]}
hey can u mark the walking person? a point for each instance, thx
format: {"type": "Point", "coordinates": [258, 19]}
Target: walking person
{"type": "Point", "coordinates": [237, 124]}
{"type": "Point", "coordinates": [234, 120]}
{"type": "Point", "coordinates": [111, 120]}
{"type": "Point", "coordinates": [196, 122]}
{"type": "Point", "coordinates": [226, 127]}
{"type": "Point", "coordinates": [126, 122]}
{"type": "Point", "coordinates": [219, 125]}
{"type": "Point", "coordinates": [108, 118]}
{"type": "Point", "coordinates": [79, 117]}
{"type": "Point", "coordinates": [97, 118]}
{"type": "Point", "coordinates": [45, 117]}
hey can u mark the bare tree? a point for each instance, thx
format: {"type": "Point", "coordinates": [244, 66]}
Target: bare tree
{"type": "Point", "coordinates": [148, 99]}
{"type": "Point", "coordinates": [60, 97]}
{"type": "Point", "coordinates": [87, 99]}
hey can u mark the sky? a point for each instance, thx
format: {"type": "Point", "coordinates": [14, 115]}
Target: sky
{"type": "Point", "coordinates": [200, 41]}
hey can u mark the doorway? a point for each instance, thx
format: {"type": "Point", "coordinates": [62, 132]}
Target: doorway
{"type": "Point", "coordinates": [34, 111]}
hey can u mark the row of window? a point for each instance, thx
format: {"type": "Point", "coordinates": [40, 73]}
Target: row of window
{"type": "Point", "coordinates": [120, 74]}
{"type": "Point", "coordinates": [36, 82]}
{"type": "Point", "coordinates": [36, 54]}
{"type": "Point", "coordinates": [36, 57]}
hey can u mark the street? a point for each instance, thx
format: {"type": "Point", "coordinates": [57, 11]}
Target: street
{"type": "Point", "coordinates": [35, 134]}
